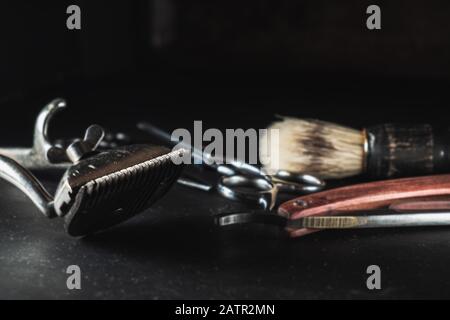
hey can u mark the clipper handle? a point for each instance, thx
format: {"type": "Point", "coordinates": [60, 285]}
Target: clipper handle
{"type": "Point", "coordinates": [365, 196]}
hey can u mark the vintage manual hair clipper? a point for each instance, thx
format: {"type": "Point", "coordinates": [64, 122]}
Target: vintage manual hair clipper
{"type": "Point", "coordinates": [99, 189]}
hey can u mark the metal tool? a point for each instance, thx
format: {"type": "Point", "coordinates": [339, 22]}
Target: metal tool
{"type": "Point", "coordinates": [408, 202]}
{"type": "Point", "coordinates": [47, 155]}
{"type": "Point", "coordinates": [415, 219]}
{"type": "Point", "coordinates": [241, 181]}
{"type": "Point", "coordinates": [99, 189]}
{"type": "Point", "coordinates": [43, 154]}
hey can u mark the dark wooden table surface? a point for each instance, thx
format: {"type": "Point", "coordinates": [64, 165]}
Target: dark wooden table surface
{"type": "Point", "coordinates": [174, 250]}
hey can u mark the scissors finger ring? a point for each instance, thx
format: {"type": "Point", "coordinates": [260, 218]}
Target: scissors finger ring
{"type": "Point", "coordinates": [249, 190]}
{"type": "Point", "coordinates": [287, 181]}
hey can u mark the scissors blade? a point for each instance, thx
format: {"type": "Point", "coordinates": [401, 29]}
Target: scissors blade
{"type": "Point", "coordinates": [262, 217]}
{"type": "Point", "coordinates": [195, 185]}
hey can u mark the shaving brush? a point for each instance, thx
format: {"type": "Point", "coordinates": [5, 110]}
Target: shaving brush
{"type": "Point", "coordinates": [332, 151]}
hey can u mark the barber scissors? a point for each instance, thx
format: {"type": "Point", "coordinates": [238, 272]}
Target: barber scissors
{"type": "Point", "coordinates": [264, 189]}
{"type": "Point", "coordinates": [241, 181]}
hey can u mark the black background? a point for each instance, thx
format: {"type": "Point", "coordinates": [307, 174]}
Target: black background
{"type": "Point", "coordinates": [231, 64]}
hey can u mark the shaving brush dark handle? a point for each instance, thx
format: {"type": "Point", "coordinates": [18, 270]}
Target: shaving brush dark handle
{"type": "Point", "coordinates": [395, 150]}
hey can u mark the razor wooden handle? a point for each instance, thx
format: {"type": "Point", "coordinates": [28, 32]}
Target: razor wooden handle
{"type": "Point", "coordinates": [366, 196]}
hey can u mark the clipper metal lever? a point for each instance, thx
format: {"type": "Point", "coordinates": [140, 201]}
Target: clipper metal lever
{"type": "Point", "coordinates": [43, 154]}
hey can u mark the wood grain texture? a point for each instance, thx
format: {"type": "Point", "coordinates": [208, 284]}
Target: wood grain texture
{"type": "Point", "coordinates": [366, 196]}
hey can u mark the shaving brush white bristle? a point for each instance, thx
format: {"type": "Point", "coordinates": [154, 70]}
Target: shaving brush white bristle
{"type": "Point", "coordinates": [320, 148]}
